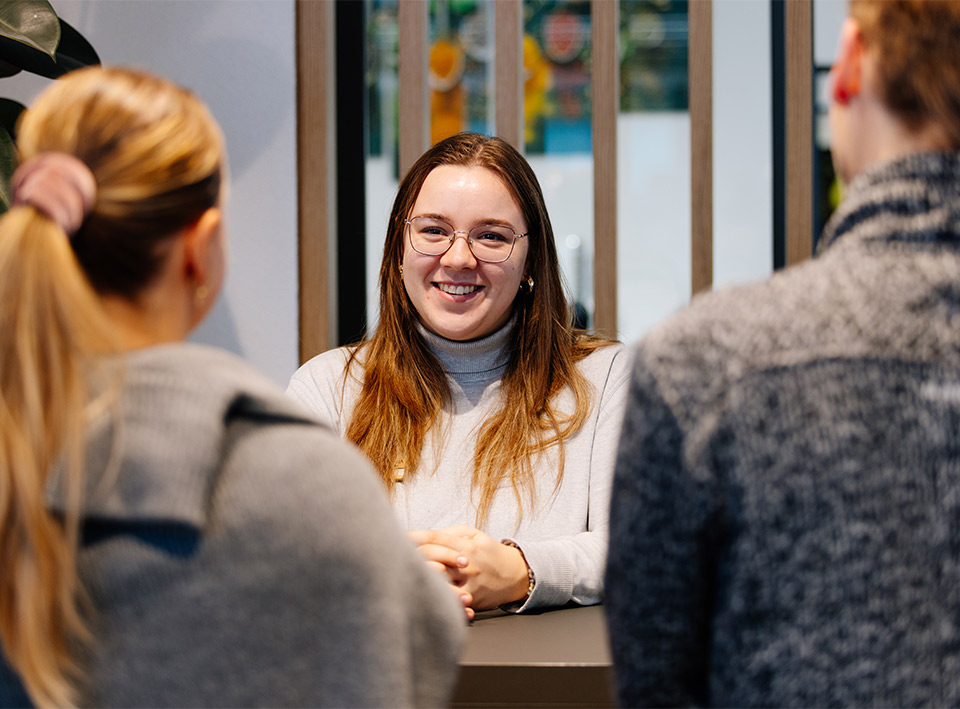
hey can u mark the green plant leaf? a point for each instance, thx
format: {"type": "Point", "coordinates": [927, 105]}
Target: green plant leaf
{"type": "Point", "coordinates": [7, 69]}
{"type": "Point", "coordinates": [74, 52]}
{"type": "Point", "coordinates": [8, 163]}
{"type": "Point", "coordinates": [10, 112]}
{"type": "Point", "coordinates": [75, 48]}
{"type": "Point", "coordinates": [32, 22]}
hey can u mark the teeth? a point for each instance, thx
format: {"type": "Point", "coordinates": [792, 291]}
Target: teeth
{"type": "Point", "coordinates": [456, 290]}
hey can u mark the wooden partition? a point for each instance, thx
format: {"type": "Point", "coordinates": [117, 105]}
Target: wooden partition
{"type": "Point", "coordinates": [315, 172]}
{"type": "Point", "coordinates": [508, 67]}
{"type": "Point", "coordinates": [315, 130]}
{"type": "Point", "coordinates": [799, 129]}
{"type": "Point", "coordinates": [412, 81]}
{"type": "Point", "coordinates": [700, 68]}
{"type": "Point", "coordinates": [605, 30]}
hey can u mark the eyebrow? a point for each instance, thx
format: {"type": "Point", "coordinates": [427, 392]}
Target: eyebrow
{"type": "Point", "coordinates": [481, 222]}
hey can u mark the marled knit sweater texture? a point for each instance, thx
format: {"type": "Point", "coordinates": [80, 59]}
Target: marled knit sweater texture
{"type": "Point", "coordinates": [785, 527]}
{"type": "Point", "coordinates": [242, 555]}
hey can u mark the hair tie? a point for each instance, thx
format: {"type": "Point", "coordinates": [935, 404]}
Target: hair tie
{"type": "Point", "coordinates": [59, 185]}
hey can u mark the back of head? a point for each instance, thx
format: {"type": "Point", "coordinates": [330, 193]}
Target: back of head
{"type": "Point", "coordinates": [155, 154]}
{"type": "Point", "coordinates": [916, 46]}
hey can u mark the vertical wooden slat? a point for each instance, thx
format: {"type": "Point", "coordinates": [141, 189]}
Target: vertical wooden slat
{"type": "Point", "coordinates": [799, 129]}
{"type": "Point", "coordinates": [701, 144]}
{"type": "Point", "coordinates": [315, 99]}
{"type": "Point", "coordinates": [508, 84]}
{"type": "Point", "coordinates": [604, 17]}
{"type": "Point", "coordinates": [412, 81]}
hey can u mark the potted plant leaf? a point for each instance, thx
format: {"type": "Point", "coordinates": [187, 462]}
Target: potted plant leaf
{"type": "Point", "coordinates": [33, 39]}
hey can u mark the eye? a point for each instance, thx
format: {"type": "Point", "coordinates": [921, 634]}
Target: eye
{"type": "Point", "coordinates": [492, 236]}
{"type": "Point", "coordinates": [431, 227]}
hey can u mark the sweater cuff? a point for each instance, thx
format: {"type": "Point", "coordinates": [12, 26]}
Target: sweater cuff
{"type": "Point", "coordinates": [554, 581]}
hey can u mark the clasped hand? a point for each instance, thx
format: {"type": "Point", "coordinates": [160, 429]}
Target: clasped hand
{"type": "Point", "coordinates": [483, 572]}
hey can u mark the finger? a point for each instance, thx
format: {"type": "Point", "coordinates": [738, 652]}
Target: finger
{"type": "Point", "coordinates": [467, 600]}
{"type": "Point", "coordinates": [461, 530]}
{"type": "Point", "coordinates": [438, 537]}
{"type": "Point", "coordinates": [453, 576]}
{"type": "Point", "coordinates": [443, 555]}
{"type": "Point", "coordinates": [437, 566]}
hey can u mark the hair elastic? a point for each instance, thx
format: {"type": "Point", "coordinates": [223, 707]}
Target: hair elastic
{"type": "Point", "coordinates": [59, 185]}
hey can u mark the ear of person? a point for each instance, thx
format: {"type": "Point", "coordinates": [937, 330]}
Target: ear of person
{"type": "Point", "coordinates": [199, 247]}
{"type": "Point", "coordinates": [848, 67]}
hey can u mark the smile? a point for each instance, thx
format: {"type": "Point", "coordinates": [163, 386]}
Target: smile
{"type": "Point", "coordinates": [455, 289]}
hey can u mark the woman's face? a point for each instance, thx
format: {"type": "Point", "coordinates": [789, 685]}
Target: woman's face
{"type": "Point", "coordinates": [464, 197]}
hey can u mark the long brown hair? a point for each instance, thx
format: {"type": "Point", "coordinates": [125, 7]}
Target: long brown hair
{"type": "Point", "coordinates": [918, 59]}
{"type": "Point", "coordinates": [404, 386]}
{"type": "Point", "coordinates": [156, 155]}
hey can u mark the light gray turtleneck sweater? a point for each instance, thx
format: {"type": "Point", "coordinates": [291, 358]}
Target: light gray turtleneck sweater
{"type": "Point", "coordinates": [564, 537]}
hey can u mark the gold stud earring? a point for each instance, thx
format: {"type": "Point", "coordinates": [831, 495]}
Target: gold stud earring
{"type": "Point", "coordinates": [401, 271]}
{"type": "Point", "coordinates": [201, 293]}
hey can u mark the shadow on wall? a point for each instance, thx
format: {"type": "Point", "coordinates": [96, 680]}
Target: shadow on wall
{"type": "Point", "coordinates": [250, 120]}
{"type": "Point", "coordinates": [238, 56]}
{"type": "Point", "coordinates": [219, 328]}
{"type": "Point", "coordinates": [213, 57]}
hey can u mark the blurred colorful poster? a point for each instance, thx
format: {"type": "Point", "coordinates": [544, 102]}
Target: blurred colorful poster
{"type": "Point", "coordinates": [556, 68]}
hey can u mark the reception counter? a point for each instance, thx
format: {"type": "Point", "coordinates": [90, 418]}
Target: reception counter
{"type": "Point", "coordinates": [558, 658]}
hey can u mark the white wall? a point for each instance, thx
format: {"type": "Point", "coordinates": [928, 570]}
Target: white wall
{"type": "Point", "coordinates": [742, 143]}
{"type": "Point", "coordinates": [239, 56]}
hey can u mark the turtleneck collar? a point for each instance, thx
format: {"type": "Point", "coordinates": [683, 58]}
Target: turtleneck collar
{"type": "Point", "coordinates": [473, 360]}
{"type": "Point", "coordinates": [919, 191]}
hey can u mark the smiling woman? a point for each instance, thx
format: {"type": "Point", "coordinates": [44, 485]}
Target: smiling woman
{"type": "Point", "coordinates": [489, 418]}
{"type": "Point", "coordinates": [458, 295]}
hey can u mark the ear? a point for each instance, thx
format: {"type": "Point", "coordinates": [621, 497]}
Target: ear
{"type": "Point", "coordinates": [198, 242]}
{"type": "Point", "coordinates": [846, 73]}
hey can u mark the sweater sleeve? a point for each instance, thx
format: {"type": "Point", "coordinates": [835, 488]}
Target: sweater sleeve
{"type": "Point", "coordinates": [570, 568]}
{"type": "Point", "coordinates": [656, 587]}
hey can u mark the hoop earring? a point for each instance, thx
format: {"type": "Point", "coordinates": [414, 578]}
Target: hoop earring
{"type": "Point", "coordinates": [526, 286]}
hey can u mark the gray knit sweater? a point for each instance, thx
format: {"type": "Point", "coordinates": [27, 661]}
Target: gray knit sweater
{"type": "Point", "coordinates": [785, 528]}
{"type": "Point", "coordinates": [564, 536]}
{"type": "Point", "coordinates": [245, 556]}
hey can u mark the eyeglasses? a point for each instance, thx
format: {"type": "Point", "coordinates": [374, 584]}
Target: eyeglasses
{"type": "Point", "coordinates": [490, 243]}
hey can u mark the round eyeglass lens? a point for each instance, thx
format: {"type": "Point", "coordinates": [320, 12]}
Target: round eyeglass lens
{"type": "Point", "coordinates": [488, 242]}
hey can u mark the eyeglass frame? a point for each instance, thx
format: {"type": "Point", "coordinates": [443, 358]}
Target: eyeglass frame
{"type": "Point", "coordinates": [408, 223]}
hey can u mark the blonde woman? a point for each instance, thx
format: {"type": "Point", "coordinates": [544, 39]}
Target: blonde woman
{"type": "Point", "coordinates": [174, 531]}
{"type": "Point", "coordinates": [491, 421]}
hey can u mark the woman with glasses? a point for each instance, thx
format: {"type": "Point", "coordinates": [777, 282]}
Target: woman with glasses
{"type": "Point", "coordinates": [491, 421]}
{"type": "Point", "coordinates": [174, 531]}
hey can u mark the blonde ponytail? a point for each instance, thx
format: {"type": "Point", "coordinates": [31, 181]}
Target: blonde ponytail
{"type": "Point", "coordinates": [52, 326]}
{"type": "Point", "coordinates": [142, 159]}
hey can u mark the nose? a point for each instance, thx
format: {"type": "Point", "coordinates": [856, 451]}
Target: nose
{"type": "Point", "coordinates": [459, 256]}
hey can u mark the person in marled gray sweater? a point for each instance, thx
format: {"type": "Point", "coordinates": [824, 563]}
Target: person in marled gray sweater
{"type": "Point", "coordinates": [175, 531]}
{"type": "Point", "coordinates": [784, 523]}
